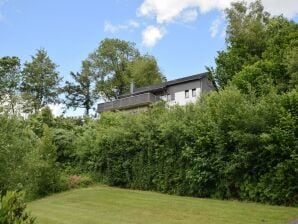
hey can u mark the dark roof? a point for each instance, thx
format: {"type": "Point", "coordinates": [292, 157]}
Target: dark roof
{"type": "Point", "coordinates": [186, 79]}
{"type": "Point", "coordinates": [160, 86]}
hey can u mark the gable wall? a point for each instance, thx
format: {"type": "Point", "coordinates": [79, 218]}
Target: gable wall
{"type": "Point", "coordinates": [179, 92]}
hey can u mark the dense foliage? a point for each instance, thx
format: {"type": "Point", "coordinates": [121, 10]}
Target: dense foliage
{"type": "Point", "coordinates": [40, 82]}
{"type": "Point", "coordinates": [27, 161]}
{"type": "Point", "coordinates": [261, 51]}
{"type": "Point", "coordinates": [10, 76]}
{"type": "Point", "coordinates": [239, 142]}
{"type": "Point", "coordinates": [106, 73]}
{"type": "Point", "coordinates": [81, 92]}
{"type": "Point", "coordinates": [229, 145]}
{"type": "Point", "coordinates": [13, 209]}
{"type": "Point", "coordinates": [116, 63]}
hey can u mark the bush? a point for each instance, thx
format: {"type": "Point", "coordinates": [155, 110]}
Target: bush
{"type": "Point", "coordinates": [45, 177]}
{"type": "Point", "coordinates": [228, 145]}
{"type": "Point", "coordinates": [13, 209]}
{"type": "Point", "coordinates": [16, 143]}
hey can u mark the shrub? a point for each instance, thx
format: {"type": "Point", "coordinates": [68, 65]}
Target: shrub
{"type": "Point", "coordinates": [16, 143]}
{"type": "Point", "coordinates": [13, 209]}
{"type": "Point", "coordinates": [228, 145]}
{"type": "Point", "coordinates": [44, 175]}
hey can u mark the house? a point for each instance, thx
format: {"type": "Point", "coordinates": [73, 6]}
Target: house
{"type": "Point", "coordinates": [179, 91]}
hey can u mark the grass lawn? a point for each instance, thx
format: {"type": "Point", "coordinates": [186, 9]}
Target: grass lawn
{"type": "Point", "coordinates": [107, 205]}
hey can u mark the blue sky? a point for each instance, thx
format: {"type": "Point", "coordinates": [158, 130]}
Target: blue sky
{"type": "Point", "coordinates": [70, 31]}
{"type": "Point", "coordinates": [184, 35]}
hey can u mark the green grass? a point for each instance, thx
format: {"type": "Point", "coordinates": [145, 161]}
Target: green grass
{"type": "Point", "coordinates": [107, 205]}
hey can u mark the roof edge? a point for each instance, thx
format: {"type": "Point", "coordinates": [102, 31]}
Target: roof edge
{"type": "Point", "coordinates": [162, 85]}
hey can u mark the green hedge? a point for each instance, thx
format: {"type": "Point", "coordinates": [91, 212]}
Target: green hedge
{"type": "Point", "coordinates": [228, 145]}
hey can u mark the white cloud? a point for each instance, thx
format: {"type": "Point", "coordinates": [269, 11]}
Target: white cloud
{"type": "Point", "coordinates": [151, 35]}
{"type": "Point", "coordinates": [168, 11]}
{"type": "Point", "coordinates": [214, 28]}
{"type": "Point", "coordinates": [133, 24]}
{"type": "Point", "coordinates": [288, 8]}
{"type": "Point", "coordinates": [189, 15]}
{"type": "Point", "coordinates": [218, 26]}
{"type": "Point", "coordinates": [111, 28]}
{"type": "Point", "coordinates": [165, 11]}
{"type": "Point", "coordinates": [223, 34]}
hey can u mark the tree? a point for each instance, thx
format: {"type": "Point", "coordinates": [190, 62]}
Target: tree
{"type": "Point", "coordinates": [109, 62]}
{"type": "Point", "coordinates": [46, 147]}
{"type": "Point", "coordinates": [116, 63]}
{"type": "Point", "coordinates": [16, 142]}
{"type": "Point", "coordinates": [40, 81]}
{"type": "Point", "coordinates": [292, 66]}
{"type": "Point", "coordinates": [37, 120]}
{"type": "Point", "coordinates": [261, 51]}
{"type": "Point", "coordinates": [9, 82]}
{"type": "Point", "coordinates": [144, 71]}
{"type": "Point", "coordinates": [80, 93]}
{"type": "Point", "coordinates": [45, 174]}
{"type": "Point", "coordinates": [276, 69]}
{"type": "Point", "coordinates": [281, 52]}
{"type": "Point", "coordinates": [245, 39]}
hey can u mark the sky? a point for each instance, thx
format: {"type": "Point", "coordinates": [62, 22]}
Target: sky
{"type": "Point", "coordinates": [183, 35]}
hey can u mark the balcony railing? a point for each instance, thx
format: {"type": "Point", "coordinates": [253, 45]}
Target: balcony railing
{"type": "Point", "coordinates": [128, 102]}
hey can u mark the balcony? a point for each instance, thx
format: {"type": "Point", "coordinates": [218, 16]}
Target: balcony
{"type": "Point", "coordinates": [128, 102]}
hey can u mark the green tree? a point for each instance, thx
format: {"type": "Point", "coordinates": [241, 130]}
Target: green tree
{"type": "Point", "coordinates": [10, 77]}
{"type": "Point", "coordinates": [37, 120]}
{"type": "Point", "coordinates": [276, 69]}
{"type": "Point", "coordinates": [80, 93]}
{"type": "Point", "coordinates": [245, 39]}
{"type": "Point", "coordinates": [44, 171]}
{"type": "Point", "coordinates": [116, 63]}
{"type": "Point", "coordinates": [109, 62]}
{"type": "Point", "coordinates": [16, 142]}
{"type": "Point", "coordinates": [46, 147]}
{"type": "Point", "coordinates": [292, 66]}
{"type": "Point", "coordinates": [261, 51]}
{"type": "Point", "coordinates": [144, 71]}
{"type": "Point", "coordinates": [40, 81]}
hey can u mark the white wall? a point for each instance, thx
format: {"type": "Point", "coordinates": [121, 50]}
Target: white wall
{"type": "Point", "coordinates": [181, 100]}
{"type": "Point", "coordinates": [179, 92]}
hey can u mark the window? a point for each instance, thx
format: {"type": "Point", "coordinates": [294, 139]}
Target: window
{"type": "Point", "coordinates": [194, 92]}
{"type": "Point", "coordinates": [186, 93]}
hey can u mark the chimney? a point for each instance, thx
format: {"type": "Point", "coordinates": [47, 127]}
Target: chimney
{"type": "Point", "coordinates": [132, 86]}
